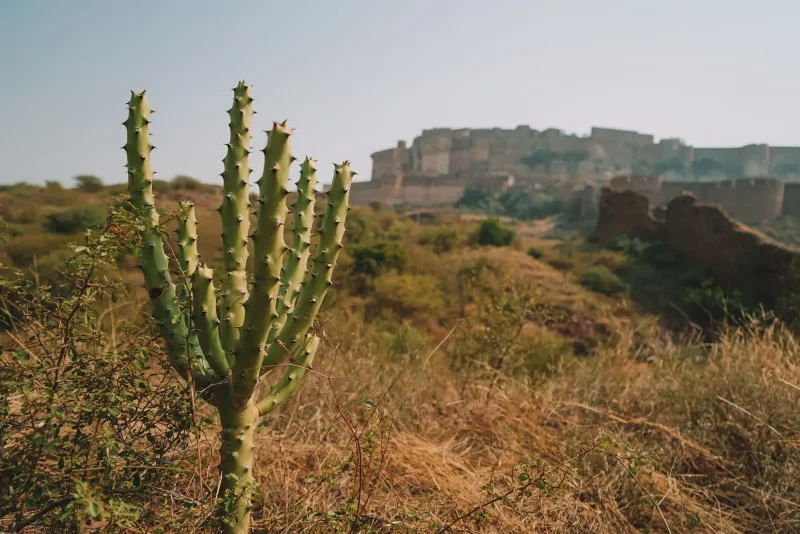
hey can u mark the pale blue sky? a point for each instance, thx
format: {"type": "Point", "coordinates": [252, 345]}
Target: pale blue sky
{"type": "Point", "coordinates": [354, 76]}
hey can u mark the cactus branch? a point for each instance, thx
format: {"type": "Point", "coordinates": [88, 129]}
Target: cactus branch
{"type": "Point", "coordinates": [204, 313]}
{"type": "Point", "coordinates": [235, 214]}
{"type": "Point", "coordinates": [296, 372]}
{"type": "Point", "coordinates": [187, 254]}
{"type": "Point", "coordinates": [314, 289]}
{"type": "Point", "coordinates": [269, 248]}
{"type": "Point", "coordinates": [295, 270]}
{"type": "Point", "coordinates": [155, 266]}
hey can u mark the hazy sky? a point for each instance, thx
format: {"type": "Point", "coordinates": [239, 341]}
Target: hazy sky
{"type": "Point", "coordinates": [354, 76]}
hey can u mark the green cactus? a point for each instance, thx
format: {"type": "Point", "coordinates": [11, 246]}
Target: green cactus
{"type": "Point", "coordinates": [227, 346]}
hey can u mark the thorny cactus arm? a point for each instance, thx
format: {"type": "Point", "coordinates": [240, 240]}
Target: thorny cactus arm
{"type": "Point", "coordinates": [268, 250]}
{"type": "Point", "coordinates": [296, 371]}
{"type": "Point", "coordinates": [187, 254]}
{"type": "Point", "coordinates": [154, 263]}
{"type": "Point", "coordinates": [318, 281]}
{"type": "Point", "coordinates": [235, 215]}
{"type": "Point", "coordinates": [295, 269]}
{"type": "Point", "coordinates": [204, 314]}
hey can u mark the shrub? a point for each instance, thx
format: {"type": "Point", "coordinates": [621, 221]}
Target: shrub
{"type": "Point", "coordinates": [401, 338]}
{"type": "Point", "coordinates": [52, 184]}
{"type": "Point", "coordinates": [633, 247]}
{"type": "Point", "coordinates": [600, 279]}
{"type": "Point", "coordinates": [372, 259]}
{"type": "Point", "coordinates": [89, 183]}
{"type": "Point", "coordinates": [86, 417]}
{"type": "Point", "coordinates": [72, 221]}
{"type": "Point", "coordinates": [443, 240]}
{"type": "Point", "coordinates": [535, 253]}
{"type": "Point", "coordinates": [162, 186]}
{"type": "Point", "coordinates": [492, 232]}
{"type": "Point", "coordinates": [187, 183]}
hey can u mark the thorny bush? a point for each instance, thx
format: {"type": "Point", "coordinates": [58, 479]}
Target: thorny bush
{"type": "Point", "coordinates": [93, 433]}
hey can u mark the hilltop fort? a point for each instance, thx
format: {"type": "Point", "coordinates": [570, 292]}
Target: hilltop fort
{"type": "Point", "coordinates": [441, 163]}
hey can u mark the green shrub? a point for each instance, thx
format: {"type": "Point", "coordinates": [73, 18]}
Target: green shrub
{"type": "Point", "coordinates": [443, 240]}
{"type": "Point", "coordinates": [535, 253]}
{"type": "Point", "coordinates": [186, 183]}
{"type": "Point", "coordinates": [633, 247]}
{"type": "Point", "coordinates": [72, 221]}
{"type": "Point", "coordinates": [492, 232]}
{"type": "Point", "coordinates": [401, 338]}
{"type": "Point", "coordinates": [89, 183]}
{"type": "Point", "coordinates": [52, 184]}
{"type": "Point", "coordinates": [162, 186]}
{"type": "Point", "coordinates": [372, 259]}
{"type": "Point", "coordinates": [600, 279]}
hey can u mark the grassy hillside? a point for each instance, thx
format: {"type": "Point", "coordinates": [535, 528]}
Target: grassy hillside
{"type": "Point", "coordinates": [548, 385]}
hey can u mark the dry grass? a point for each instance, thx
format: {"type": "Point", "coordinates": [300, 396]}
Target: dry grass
{"type": "Point", "coordinates": [690, 438]}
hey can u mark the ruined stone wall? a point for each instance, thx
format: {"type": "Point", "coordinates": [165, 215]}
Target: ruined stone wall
{"type": "Point", "coordinates": [739, 257]}
{"type": "Point", "coordinates": [748, 200]}
{"type": "Point", "coordinates": [624, 213]}
{"type": "Point", "coordinates": [707, 238]}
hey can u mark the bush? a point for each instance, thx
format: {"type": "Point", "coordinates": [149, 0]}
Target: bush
{"type": "Point", "coordinates": [187, 183]}
{"type": "Point", "coordinates": [443, 240]}
{"type": "Point", "coordinates": [89, 183]}
{"type": "Point", "coordinates": [372, 259]}
{"type": "Point", "coordinates": [72, 221]}
{"type": "Point", "coordinates": [535, 253]}
{"type": "Point", "coordinates": [600, 279]}
{"type": "Point", "coordinates": [52, 184]}
{"type": "Point", "coordinates": [492, 232]}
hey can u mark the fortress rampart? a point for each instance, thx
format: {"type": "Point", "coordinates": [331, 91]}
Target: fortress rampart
{"type": "Point", "coordinates": [750, 200]}
{"type": "Point", "coordinates": [738, 256]}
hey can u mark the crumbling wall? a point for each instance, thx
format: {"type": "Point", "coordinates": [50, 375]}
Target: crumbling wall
{"type": "Point", "coordinates": [738, 256]}
{"type": "Point", "coordinates": [706, 238]}
{"type": "Point", "coordinates": [624, 213]}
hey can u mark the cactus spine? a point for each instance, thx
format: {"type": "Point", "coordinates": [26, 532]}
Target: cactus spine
{"type": "Point", "coordinates": [227, 345]}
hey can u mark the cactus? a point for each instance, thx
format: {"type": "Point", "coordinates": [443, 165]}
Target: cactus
{"type": "Point", "coordinates": [228, 345]}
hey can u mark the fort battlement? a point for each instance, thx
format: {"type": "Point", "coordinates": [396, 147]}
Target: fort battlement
{"type": "Point", "coordinates": [749, 200]}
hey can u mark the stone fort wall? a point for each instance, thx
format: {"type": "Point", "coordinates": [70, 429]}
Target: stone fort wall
{"type": "Point", "coordinates": [706, 237]}
{"type": "Point", "coordinates": [750, 200]}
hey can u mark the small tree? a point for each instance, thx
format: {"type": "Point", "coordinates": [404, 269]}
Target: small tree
{"type": "Point", "coordinates": [89, 183]}
{"type": "Point", "coordinates": [228, 348]}
{"type": "Point", "coordinates": [492, 232]}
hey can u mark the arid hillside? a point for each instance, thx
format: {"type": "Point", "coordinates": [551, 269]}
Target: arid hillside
{"type": "Point", "coordinates": [475, 375]}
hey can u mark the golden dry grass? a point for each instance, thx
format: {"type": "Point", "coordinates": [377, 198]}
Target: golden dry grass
{"type": "Point", "coordinates": [708, 433]}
